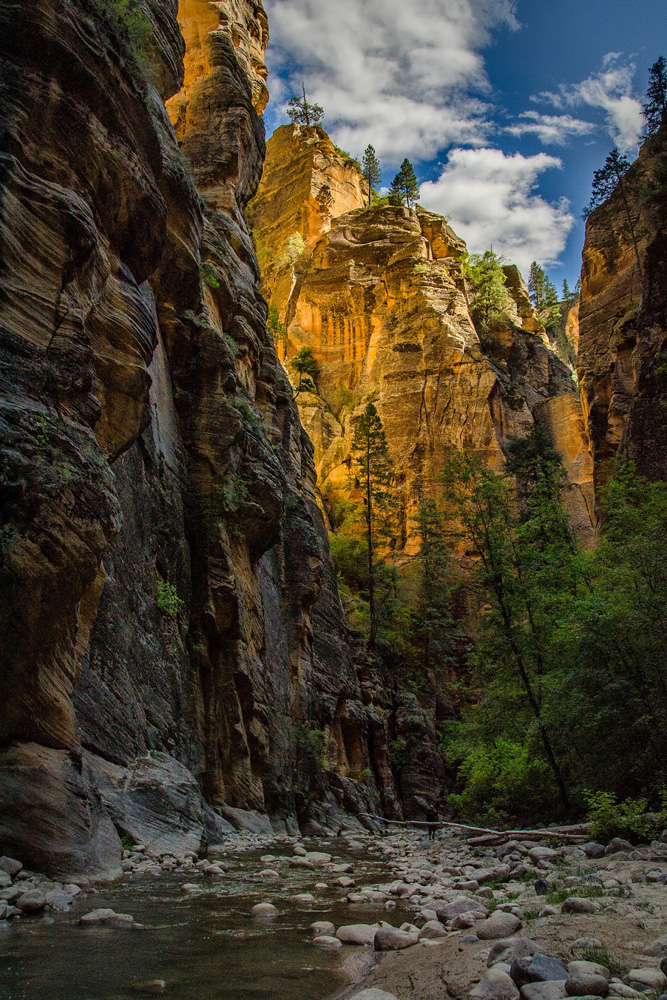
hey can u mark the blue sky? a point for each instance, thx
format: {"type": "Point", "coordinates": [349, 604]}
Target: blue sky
{"type": "Point", "coordinates": [505, 108]}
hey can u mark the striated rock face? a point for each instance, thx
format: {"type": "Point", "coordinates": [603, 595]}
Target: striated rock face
{"type": "Point", "coordinates": [306, 183]}
{"type": "Point", "coordinates": [168, 607]}
{"type": "Point", "coordinates": [623, 318]}
{"type": "Point", "coordinates": [380, 299]}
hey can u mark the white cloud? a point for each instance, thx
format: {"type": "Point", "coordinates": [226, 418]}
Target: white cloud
{"type": "Point", "coordinates": [402, 75]}
{"type": "Point", "coordinates": [611, 90]}
{"type": "Point", "coordinates": [551, 130]}
{"type": "Point", "coordinates": [490, 201]}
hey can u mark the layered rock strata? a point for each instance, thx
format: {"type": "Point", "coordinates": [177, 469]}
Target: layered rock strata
{"type": "Point", "coordinates": [168, 607]}
{"type": "Point", "coordinates": [622, 360]}
{"type": "Point", "coordinates": [381, 300]}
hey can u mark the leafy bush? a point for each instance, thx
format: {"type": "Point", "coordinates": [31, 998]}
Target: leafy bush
{"type": "Point", "coordinates": [209, 273]}
{"type": "Point", "coordinates": [397, 751]}
{"type": "Point", "coordinates": [294, 247]}
{"type": "Point", "coordinates": [628, 819]}
{"type": "Point", "coordinates": [128, 23]}
{"type": "Point", "coordinates": [168, 601]}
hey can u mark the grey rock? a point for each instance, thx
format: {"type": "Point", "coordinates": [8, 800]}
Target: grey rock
{"type": "Point", "coordinates": [654, 979]}
{"type": "Point", "coordinates": [587, 969]}
{"type": "Point", "coordinates": [587, 984]}
{"type": "Point", "coordinates": [373, 994]}
{"type": "Point", "coordinates": [542, 886]}
{"type": "Point", "coordinates": [537, 854]}
{"type": "Point", "coordinates": [10, 865]}
{"type": "Point", "coordinates": [59, 900]}
{"type": "Point", "coordinates": [11, 893]}
{"type": "Point", "coordinates": [538, 968]}
{"type": "Point", "coordinates": [105, 917]}
{"type": "Point", "coordinates": [393, 939]}
{"type": "Point", "coordinates": [5, 880]}
{"type": "Point", "coordinates": [432, 930]}
{"type": "Point", "coordinates": [498, 925]}
{"type": "Point", "coordinates": [585, 944]}
{"type": "Point", "coordinates": [577, 904]}
{"type": "Point", "coordinates": [447, 911]}
{"type": "Point", "coordinates": [663, 966]}
{"type": "Point", "coordinates": [616, 845]}
{"type": "Point", "coordinates": [507, 951]}
{"type": "Point", "coordinates": [31, 902]}
{"type": "Point", "coordinates": [322, 928]}
{"type": "Point", "coordinates": [357, 933]}
{"type": "Point", "coordinates": [327, 941]}
{"type": "Point", "coordinates": [593, 850]}
{"type": "Point", "coordinates": [554, 990]}
{"type": "Point", "coordinates": [264, 910]}
{"type": "Point", "coordinates": [495, 985]}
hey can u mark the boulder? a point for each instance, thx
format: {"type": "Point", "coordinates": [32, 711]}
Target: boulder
{"type": "Point", "coordinates": [463, 904]}
{"type": "Point", "coordinates": [586, 985]}
{"type": "Point", "coordinates": [537, 968]}
{"type": "Point", "coordinates": [322, 928]}
{"type": "Point", "coordinates": [537, 854]}
{"type": "Point", "coordinates": [10, 865]}
{"type": "Point", "coordinates": [554, 990]}
{"type": "Point", "coordinates": [495, 985]}
{"type": "Point", "coordinates": [498, 925]}
{"type": "Point", "coordinates": [357, 933]}
{"type": "Point", "coordinates": [432, 930]}
{"type": "Point", "coordinates": [264, 910]}
{"type": "Point", "coordinates": [593, 850]}
{"type": "Point", "coordinates": [327, 941]}
{"type": "Point", "coordinates": [542, 886]}
{"type": "Point", "coordinates": [31, 902]}
{"type": "Point", "coordinates": [655, 979]}
{"type": "Point", "coordinates": [59, 900]}
{"type": "Point", "coordinates": [393, 939]}
{"type": "Point", "coordinates": [588, 969]}
{"type": "Point", "coordinates": [104, 917]}
{"type": "Point", "coordinates": [618, 844]}
{"type": "Point", "coordinates": [464, 921]}
{"type": "Point", "coordinates": [577, 904]}
{"type": "Point", "coordinates": [318, 857]}
{"type": "Point", "coordinates": [507, 951]}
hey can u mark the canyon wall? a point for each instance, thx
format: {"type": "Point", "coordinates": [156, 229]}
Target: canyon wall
{"type": "Point", "coordinates": [622, 360]}
{"type": "Point", "coordinates": [379, 296]}
{"type": "Point", "coordinates": [174, 656]}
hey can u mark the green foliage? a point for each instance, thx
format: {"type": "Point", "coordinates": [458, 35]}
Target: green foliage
{"type": "Point", "coordinates": [629, 819]}
{"type": "Point", "coordinates": [656, 97]}
{"type": "Point", "coordinates": [301, 112]}
{"type": "Point", "coordinates": [559, 896]}
{"type": "Point", "coordinates": [168, 601]}
{"type": "Point", "coordinates": [294, 247]}
{"type": "Point", "coordinates": [607, 179]}
{"type": "Point", "coordinates": [370, 166]}
{"type": "Point", "coordinates": [404, 187]}
{"type": "Point", "coordinates": [420, 269]}
{"type": "Point", "coordinates": [490, 301]}
{"type": "Point", "coordinates": [544, 297]}
{"type": "Point", "coordinates": [397, 751]}
{"type": "Point", "coordinates": [209, 274]}
{"type": "Point", "coordinates": [366, 775]}
{"type": "Point", "coordinates": [305, 364]}
{"type": "Point", "coordinates": [314, 746]}
{"type": "Point", "coordinates": [275, 327]}
{"type": "Point", "coordinates": [129, 24]}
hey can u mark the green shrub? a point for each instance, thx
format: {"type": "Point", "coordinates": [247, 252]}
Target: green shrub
{"type": "Point", "coordinates": [168, 601]}
{"type": "Point", "coordinates": [628, 819]}
{"type": "Point", "coordinates": [397, 751]}
{"type": "Point", "coordinates": [128, 23]}
{"type": "Point", "coordinates": [209, 273]}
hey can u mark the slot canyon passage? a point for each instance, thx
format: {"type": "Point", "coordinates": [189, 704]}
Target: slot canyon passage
{"type": "Point", "coordinates": [333, 578]}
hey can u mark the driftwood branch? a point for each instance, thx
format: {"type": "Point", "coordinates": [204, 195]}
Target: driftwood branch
{"type": "Point", "coordinates": [491, 836]}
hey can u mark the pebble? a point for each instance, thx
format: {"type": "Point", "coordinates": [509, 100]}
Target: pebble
{"type": "Point", "coordinates": [578, 904]}
{"type": "Point", "coordinates": [264, 910]}
{"type": "Point", "coordinates": [327, 941]}
{"type": "Point", "coordinates": [107, 918]}
{"type": "Point", "coordinates": [191, 889]}
{"type": "Point", "coordinates": [322, 928]}
{"type": "Point", "coordinates": [498, 925]}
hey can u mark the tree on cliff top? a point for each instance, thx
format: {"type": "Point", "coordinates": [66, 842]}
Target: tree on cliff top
{"type": "Point", "coordinates": [606, 181]}
{"type": "Point", "coordinates": [373, 467]}
{"type": "Point", "coordinates": [490, 299]}
{"type": "Point", "coordinates": [370, 166]}
{"type": "Point", "coordinates": [656, 97]}
{"type": "Point", "coordinates": [404, 187]}
{"type": "Point", "coordinates": [544, 297]}
{"type": "Point", "coordinates": [301, 112]}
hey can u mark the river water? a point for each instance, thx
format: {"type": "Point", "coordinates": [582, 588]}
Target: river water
{"type": "Point", "coordinates": [206, 947]}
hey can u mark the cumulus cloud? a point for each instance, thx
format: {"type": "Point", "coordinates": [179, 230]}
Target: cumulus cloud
{"type": "Point", "coordinates": [490, 200]}
{"type": "Point", "coordinates": [406, 76]}
{"type": "Point", "coordinates": [611, 90]}
{"type": "Point", "coordinates": [551, 130]}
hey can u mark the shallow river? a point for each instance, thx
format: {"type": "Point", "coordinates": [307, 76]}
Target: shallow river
{"type": "Point", "coordinates": [206, 947]}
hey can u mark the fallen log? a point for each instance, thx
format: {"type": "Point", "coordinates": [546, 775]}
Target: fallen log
{"type": "Point", "coordinates": [489, 836]}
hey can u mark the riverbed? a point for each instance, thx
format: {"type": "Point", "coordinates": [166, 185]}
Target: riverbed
{"type": "Point", "coordinates": [205, 946]}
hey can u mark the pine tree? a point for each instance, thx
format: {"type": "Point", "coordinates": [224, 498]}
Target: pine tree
{"type": "Point", "coordinates": [301, 112]}
{"type": "Point", "coordinates": [656, 97]}
{"type": "Point", "coordinates": [490, 299]}
{"type": "Point", "coordinates": [606, 181]}
{"type": "Point", "coordinates": [568, 296]}
{"type": "Point", "coordinates": [304, 363]}
{"type": "Point", "coordinates": [544, 297]}
{"type": "Point", "coordinates": [370, 166]}
{"type": "Point", "coordinates": [373, 466]}
{"type": "Point", "coordinates": [432, 619]}
{"type": "Point", "coordinates": [404, 187]}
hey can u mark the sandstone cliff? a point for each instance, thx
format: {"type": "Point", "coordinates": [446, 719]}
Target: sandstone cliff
{"type": "Point", "coordinates": [623, 318]}
{"type": "Point", "coordinates": [379, 296]}
{"type": "Point", "coordinates": [172, 632]}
